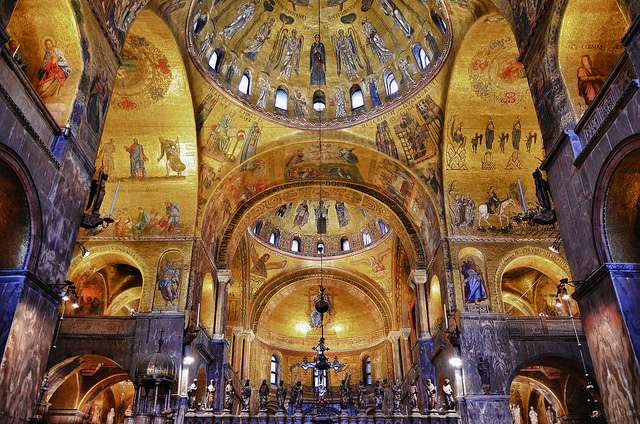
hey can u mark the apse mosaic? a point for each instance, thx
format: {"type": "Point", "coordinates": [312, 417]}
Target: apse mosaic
{"type": "Point", "coordinates": [271, 58]}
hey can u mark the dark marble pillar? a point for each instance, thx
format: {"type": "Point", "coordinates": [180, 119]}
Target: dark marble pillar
{"type": "Point", "coordinates": [215, 371]}
{"type": "Point", "coordinates": [425, 351]}
{"type": "Point", "coordinates": [28, 315]}
{"type": "Point", "coordinates": [609, 301]}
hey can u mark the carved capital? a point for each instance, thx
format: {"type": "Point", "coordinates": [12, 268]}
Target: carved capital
{"type": "Point", "coordinates": [419, 276]}
{"type": "Point", "coordinates": [224, 277]}
{"type": "Point", "coordinates": [394, 335]}
{"type": "Point", "coordinates": [249, 335]}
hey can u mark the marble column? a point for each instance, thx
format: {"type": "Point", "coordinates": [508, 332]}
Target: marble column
{"type": "Point", "coordinates": [406, 349]}
{"type": "Point", "coordinates": [28, 318]}
{"type": "Point", "coordinates": [394, 338]}
{"type": "Point", "coordinates": [609, 301]}
{"type": "Point", "coordinates": [223, 281]}
{"type": "Point", "coordinates": [419, 279]}
{"type": "Point", "coordinates": [249, 336]}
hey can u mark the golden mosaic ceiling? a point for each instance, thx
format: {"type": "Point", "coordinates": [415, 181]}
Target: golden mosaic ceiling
{"type": "Point", "coordinates": [364, 56]}
{"type": "Point", "coordinates": [348, 227]}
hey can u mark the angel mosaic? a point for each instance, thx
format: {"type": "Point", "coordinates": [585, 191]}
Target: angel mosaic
{"type": "Point", "coordinates": [376, 42]}
{"type": "Point", "coordinates": [287, 52]}
{"type": "Point", "coordinates": [263, 264]}
{"type": "Point", "coordinates": [347, 58]}
{"type": "Point", "coordinates": [244, 16]}
{"type": "Point", "coordinates": [170, 149]}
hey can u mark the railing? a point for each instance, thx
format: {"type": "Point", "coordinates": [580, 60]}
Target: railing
{"type": "Point", "coordinates": [543, 327]}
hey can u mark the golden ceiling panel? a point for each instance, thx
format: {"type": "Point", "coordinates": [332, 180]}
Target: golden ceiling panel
{"type": "Point", "coordinates": [358, 58]}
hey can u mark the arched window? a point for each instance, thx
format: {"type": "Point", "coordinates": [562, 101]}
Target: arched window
{"type": "Point", "coordinates": [320, 248]}
{"type": "Point", "coordinates": [440, 23]}
{"type": "Point", "coordinates": [274, 375]}
{"type": "Point", "coordinates": [215, 60]}
{"type": "Point", "coordinates": [366, 238]}
{"type": "Point", "coordinates": [344, 244]}
{"type": "Point", "coordinates": [390, 83]}
{"type": "Point", "coordinates": [274, 238]}
{"type": "Point", "coordinates": [421, 56]}
{"type": "Point", "coordinates": [245, 83]}
{"type": "Point", "coordinates": [383, 227]}
{"type": "Point", "coordinates": [282, 99]}
{"type": "Point", "coordinates": [295, 245]}
{"type": "Point", "coordinates": [367, 377]}
{"type": "Point", "coordinates": [257, 227]}
{"type": "Point", "coordinates": [357, 98]}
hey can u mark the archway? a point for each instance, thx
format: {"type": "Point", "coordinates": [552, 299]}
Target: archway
{"type": "Point", "coordinates": [107, 284]}
{"type": "Point", "coordinates": [88, 387]}
{"type": "Point", "coordinates": [528, 280]}
{"type": "Point", "coordinates": [553, 390]}
{"type": "Point", "coordinates": [15, 219]}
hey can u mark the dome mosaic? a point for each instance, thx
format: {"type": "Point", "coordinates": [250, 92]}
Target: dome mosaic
{"type": "Point", "coordinates": [309, 227]}
{"type": "Point", "coordinates": [319, 63]}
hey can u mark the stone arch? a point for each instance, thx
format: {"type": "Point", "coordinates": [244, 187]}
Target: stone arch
{"type": "Point", "coordinates": [614, 207]}
{"type": "Point", "coordinates": [22, 223]}
{"type": "Point", "coordinates": [360, 282]}
{"type": "Point", "coordinates": [387, 181]}
{"type": "Point", "coordinates": [91, 283]}
{"type": "Point", "coordinates": [546, 263]}
{"type": "Point", "coordinates": [33, 25]}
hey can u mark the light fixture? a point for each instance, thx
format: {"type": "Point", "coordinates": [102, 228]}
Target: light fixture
{"type": "Point", "coordinates": [565, 294]}
{"type": "Point", "coordinates": [319, 101]}
{"type": "Point", "coordinates": [455, 362]}
{"type": "Point", "coordinates": [302, 327]}
{"type": "Point", "coordinates": [338, 328]}
{"type": "Point", "coordinates": [188, 360]}
{"type": "Point", "coordinates": [555, 246]}
{"type": "Point", "coordinates": [75, 305]}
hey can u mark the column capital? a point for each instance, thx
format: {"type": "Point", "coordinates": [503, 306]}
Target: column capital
{"type": "Point", "coordinates": [394, 335]}
{"type": "Point", "coordinates": [419, 276]}
{"type": "Point", "coordinates": [249, 335]}
{"type": "Point", "coordinates": [224, 276]}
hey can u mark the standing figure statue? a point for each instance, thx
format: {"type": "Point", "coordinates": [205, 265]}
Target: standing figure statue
{"type": "Point", "coordinates": [378, 394]}
{"type": "Point", "coordinates": [376, 42]}
{"type": "Point", "coordinates": [515, 413]}
{"type": "Point", "coordinates": [396, 389]}
{"type": "Point", "coordinates": [533, 416]}
{"type": "Point", "coordinates": [211, 394]}
{"type": "Point", "coordinates": [296, 396]}
{"type": "Point", "coordinates": [281, 395]}
{"type": "Point", "coordinates": [246, 395]}
{"type": "Point", "coordinates": [111, 416]}
{"type": "Point", "coordinates": [318, 62]}
{"type": "Point", "coordinates": [447, 391]}
{"type": "Point", "coordinates": [264, 395]}
{"type": "Point", "coordinates": [258, 40]}
{"type": "Point", "coordinates": [347, 58]}
{"type": "Point", "coordinates": [344, 396]}
{"type": "Point", "coordinates": [551, 415]}
{"type": "Point", "coordinates": [245, 14]}
{"type": "Point", "coordinates": [413, 398]}
{"type": "Point", "coordinates": [362, 397]}
{"type": "Point", "coordinates": [432, 395]}
{"type": "Point", "coordinates": [191, 394]}
{"type": "Point", "coordinates": [229, 395]}
{"type": "Point", "coordinates": [288, 53]}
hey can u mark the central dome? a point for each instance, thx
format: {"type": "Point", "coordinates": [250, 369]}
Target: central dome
{"type": "Point", "coordinates": [319, 63]}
